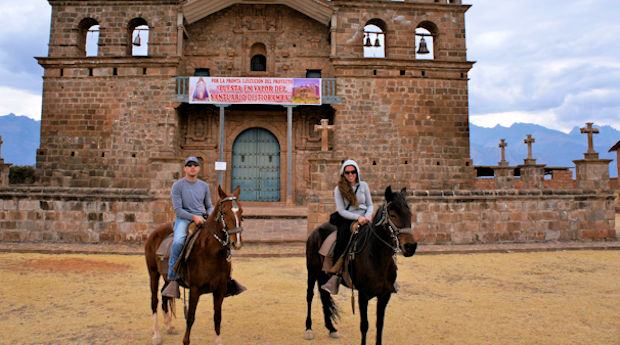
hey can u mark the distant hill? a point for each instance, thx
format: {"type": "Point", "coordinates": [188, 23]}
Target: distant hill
{"type": "Point", "coordinates": [21, 136]}
{"type": "Point", "coordinates": [551, 147]}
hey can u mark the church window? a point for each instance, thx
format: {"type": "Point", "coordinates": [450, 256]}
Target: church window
{"type": "Point", "coordinates": [425, 41]}
{"type": "Point", "coordinates": [313, 73]}
{"type": "Point", "coordinates": [202, 72]}
{"type": "Point", "coordinates": [374, 39]}
{"type": "Point", "coordinates": [259, 63]}
{"type": "Point", "coordinates": [138, 36]}
{"type": "Point", "coordinates": [258, 60]}
{"type": "Point", "coordinates": [88, 40]}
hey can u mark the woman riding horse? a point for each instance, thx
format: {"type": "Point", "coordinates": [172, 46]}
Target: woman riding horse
{"type": "Point", "coordinates": [354, 204]}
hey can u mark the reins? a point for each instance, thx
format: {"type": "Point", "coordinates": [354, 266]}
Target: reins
{"type": "Point", "coordinates": [225, 242]}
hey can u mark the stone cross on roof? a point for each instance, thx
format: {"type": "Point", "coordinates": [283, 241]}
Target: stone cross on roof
{"type": "Point", "coordinates": [591, 154]}
{"type": "Point", "coordinates": [502, 145]}
{"type": "Point", "coordinates": [1, 160]}
{"type": "Point", "coordinates": [529, 141]}
{"type": "Point", "coordinates": [324, 128]}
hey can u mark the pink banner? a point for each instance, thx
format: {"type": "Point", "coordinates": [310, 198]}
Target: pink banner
{"type": "Point", "coordinates": [231, 90]}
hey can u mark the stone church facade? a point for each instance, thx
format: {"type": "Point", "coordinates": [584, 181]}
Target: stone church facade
{"type": "Point", "coordinates": [117, 124]}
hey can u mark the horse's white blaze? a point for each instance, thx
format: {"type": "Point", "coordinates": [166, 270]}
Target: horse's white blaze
{"type": "Point", "coordinates": [236, 213]}
{"type": "Point", "coordinates": [238, 239]}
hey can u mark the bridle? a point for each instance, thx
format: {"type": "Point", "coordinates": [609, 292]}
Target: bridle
{"type": "Point", "coordinates": [395, 231]}
{"type": "Point", "coordinates": [236, 230]}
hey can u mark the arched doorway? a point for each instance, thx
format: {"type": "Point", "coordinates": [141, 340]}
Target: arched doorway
{"type": "Point", "coordinates": [256, 165]}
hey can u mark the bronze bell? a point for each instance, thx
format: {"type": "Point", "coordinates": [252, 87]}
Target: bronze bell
{"type": "Point", "coordinates": [423, 49]}
{"type": "Point", "coordinates": [367, 42]}
{"type": "Point", "coordinates": [377, 43]}
{"type": "Point", "coordinates": [136, 41]}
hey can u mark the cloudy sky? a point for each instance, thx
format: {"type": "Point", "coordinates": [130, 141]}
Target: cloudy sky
{"type": "Point", "coordinates": [551, 62]}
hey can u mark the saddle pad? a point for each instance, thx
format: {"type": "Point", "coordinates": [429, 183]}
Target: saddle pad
{"type": "Point", "coordinates": [163, 251]}
{"type": "Point", "coordinates": [327, 248]}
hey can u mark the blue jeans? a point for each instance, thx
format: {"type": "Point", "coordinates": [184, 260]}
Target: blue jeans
{"type": "Point", "coordinates": [180, 234]}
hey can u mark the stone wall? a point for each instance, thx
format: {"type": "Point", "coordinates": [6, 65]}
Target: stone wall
{"type": "Point", "coordinates": [80, 214]}
{"type": "Point", "coordinates": [494, 216]}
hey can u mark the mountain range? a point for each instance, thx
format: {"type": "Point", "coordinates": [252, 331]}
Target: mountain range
{"type": "Point", "coordinates": [21, 137]}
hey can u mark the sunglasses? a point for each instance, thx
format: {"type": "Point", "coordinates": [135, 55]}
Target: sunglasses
{"type": "Point", "coordinates": [350, 172]}
{"type": "Point", "coordinates": [191, 165]}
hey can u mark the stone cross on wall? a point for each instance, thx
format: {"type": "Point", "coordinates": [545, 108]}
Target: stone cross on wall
{"type": "Point", "coordinates": [324, 128]}
{"type": "Point", "coordinates": [591, 154]}
{"type": "Point", "coordinates": [529, 141]}
{"type": "Point", "coordinates": [502, 145]}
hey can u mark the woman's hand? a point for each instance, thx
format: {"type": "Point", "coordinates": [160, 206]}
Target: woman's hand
{"type": "Point", "coordinates": [363, 220]}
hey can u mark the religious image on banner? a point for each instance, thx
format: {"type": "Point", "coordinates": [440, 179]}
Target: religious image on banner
{"type": "Point", "coordinates": [199, 93]}
{"type": "Point", "coordinates": [231, 90]}
{"type": "Point", "coordinates": [307, 90]}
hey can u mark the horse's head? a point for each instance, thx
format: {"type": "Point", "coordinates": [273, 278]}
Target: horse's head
{"type": "Point", "coordinates": [230, 215]}
{"type": "Point", "coordinates": [398, 219]}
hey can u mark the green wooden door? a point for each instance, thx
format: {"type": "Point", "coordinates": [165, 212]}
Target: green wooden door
{"type": "Point", "coordinates": [256, 165]}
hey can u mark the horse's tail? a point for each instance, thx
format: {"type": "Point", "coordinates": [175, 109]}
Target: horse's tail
{"type": "Point", "coordinates": [329, 306]}
{"type": "Point", "coordinates": [172, 307]}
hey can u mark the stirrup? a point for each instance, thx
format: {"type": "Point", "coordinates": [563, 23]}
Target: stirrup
{"type": "Point", "coordinates": [172, 290]}
{"type": "Point", "coordinates": [332, 285]}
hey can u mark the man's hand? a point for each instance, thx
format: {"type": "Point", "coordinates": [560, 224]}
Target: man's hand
{"type": "Point", "coordinates": [198, 219]}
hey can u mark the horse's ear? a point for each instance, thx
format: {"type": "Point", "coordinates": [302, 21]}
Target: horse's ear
{"type": "Point", "coordinates": [221, 192]}
{"type": "Point", "coordinates": [237, 191]}
{"type": "Point", "coordinates": [389, 195]}
{"type": "Point", "coordinates": [403, 191]}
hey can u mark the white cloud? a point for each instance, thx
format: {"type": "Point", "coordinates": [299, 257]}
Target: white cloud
{"type": "Point", "coordinates": [20, 102]}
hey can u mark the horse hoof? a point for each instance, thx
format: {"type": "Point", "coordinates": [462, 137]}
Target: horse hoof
{"type": "Point", "coordinates": [217, 341]}
{"type": "Point", "coordinates": [172, 330]}
{"type": "Point", "coordinates": [334, 335]}
{"type": "Point", "coordinates": [156, 340]}
{"type": "Point", "coordinates": [308, 335]}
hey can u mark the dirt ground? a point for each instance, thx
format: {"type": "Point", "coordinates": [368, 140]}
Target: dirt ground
{"type": "Point", "coordinates": [570, 297]}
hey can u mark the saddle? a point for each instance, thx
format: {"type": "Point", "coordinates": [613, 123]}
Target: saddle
{"type": "Point", "coordinates": [163, 253]}
{"type": "Point", "coordinates": [327, 251]}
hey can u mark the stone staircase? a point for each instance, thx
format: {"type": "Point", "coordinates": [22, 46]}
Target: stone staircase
{"type": "Point", "coordinates": [275, 224]}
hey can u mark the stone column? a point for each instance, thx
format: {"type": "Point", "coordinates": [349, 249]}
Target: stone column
{"type": "Point", "coordinates": [592, 172]}
{"type": "Point", "coordinates": [504, 173]}
{"type": "Point", "coordinates": [324, 167]}
{"type": "Point", "coordinates": [4, 169]}
{"type": "Point", "coordinates": [532, 174]}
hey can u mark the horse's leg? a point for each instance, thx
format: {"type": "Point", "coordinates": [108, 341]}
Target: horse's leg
{"type": "Point", "coordinates": [363, 305]}
{"type": "Point", "coordinates": [382, 302]}
{"type": "Point", "coordinates": [194, 295]}
{"type": "Point", "coordinates": [308, 335]}
{"type": "Point", "coordinates": [154, 280]}
{"type": "Point", "coordinates": [167, 305]}
{"type": "Point", "coordinates": [218, 299]}
{"type": "Point", "coordinates": [329, 307]}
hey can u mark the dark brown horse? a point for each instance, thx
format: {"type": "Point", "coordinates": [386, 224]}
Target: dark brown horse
{"type": "Point", "coordinates": [373, 270]}
{"type": "Point", "coordinates": [208, 266]}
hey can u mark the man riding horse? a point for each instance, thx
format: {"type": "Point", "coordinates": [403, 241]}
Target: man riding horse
{"type": "Point", "coordinates": [191, 200]}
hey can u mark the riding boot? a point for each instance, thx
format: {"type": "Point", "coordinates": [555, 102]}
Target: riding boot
{"type": "Point", "coordinates": [233, 288]}
{"type": "Point", "coordinates": [332, 285]}
{"type": "Point", "coordinates": [172, 290]}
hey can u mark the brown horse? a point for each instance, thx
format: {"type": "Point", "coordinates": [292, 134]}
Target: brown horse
{"type": "Point", "coordinates": [208, 266]}
{"type": "Point", "coordinates": [373, 270]}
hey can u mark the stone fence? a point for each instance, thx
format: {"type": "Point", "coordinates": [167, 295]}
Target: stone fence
{"type": "Point", "coordinates": [31, 213]}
